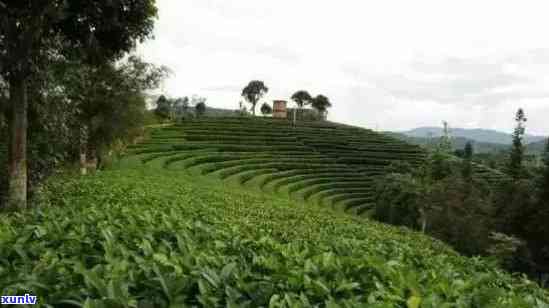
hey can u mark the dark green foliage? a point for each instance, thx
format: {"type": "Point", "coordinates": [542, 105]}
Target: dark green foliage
{"type": "Point", "coordinates": [538, 228]}
{"type": "Point", "coordinates": [266, 109]}
{"type": "Point", "coordinates": [163, 107]}
{"type": "Point", "coordinates": [70, 95]}
{"type": "Point", "coordinates": [461, 214]}
{"type": "Point", "coordinates": [90, 30]}
{"type": "Point", "coordinates": [400, 166]}
{"type": "Point", "coordinates": [200, 109]}
{"type": "Point", "coordinates": [398, 200]}
{"type": "Point", "coordinates": [515, 166]}
{"type": "Point", "coordinates": [543, 183]}
{"type": "Point", "coordinates": [109, 100]}
{"type": "Point", "coordinates": [437, 199]}
{"type": "Point", "coordinates": [467, 169]}
{"type": "Point", "coordinates": [253, 92]}
{"type": "Point", "coordinates": [143, 237]}
{"type": "Point", "coordinates": [302, 98]}
{"type": "Point", "coordinates": [321, 103]}
{"type": "Point", "coordinates": [181, 106]}
{"type": "Point", "coordinates": [516, 212]}
{"type": "Point", "coordinates": [33, 34]}
{"type": "Point", "coordinates": [440, 166]}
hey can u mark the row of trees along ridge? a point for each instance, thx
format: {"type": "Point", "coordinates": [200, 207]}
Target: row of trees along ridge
{"type": "Point", "coordinates": [256, 89]}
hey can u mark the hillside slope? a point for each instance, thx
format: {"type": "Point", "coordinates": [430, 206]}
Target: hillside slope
{"type": "Point", "coordinates": [143, 235]}
{"type": "Point", "coordinates": [320, 162]}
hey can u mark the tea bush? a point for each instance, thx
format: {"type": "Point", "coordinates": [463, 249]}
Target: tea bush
{"type": "Point", "coordinates": [151, 237]}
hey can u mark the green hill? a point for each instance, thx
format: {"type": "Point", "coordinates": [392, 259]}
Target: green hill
{"type": "Point", "coordinates": [489, 136]}
{"type": "Point", "coordinates": [157, 231]}
{"type": "Point", "coordinates": [322, 162]}
{"type": "Point", "coordinates": [458, 143]}
{"type": "Point", "coordinates": [536, 147]}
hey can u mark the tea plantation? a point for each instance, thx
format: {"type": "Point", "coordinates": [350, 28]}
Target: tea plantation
{"type": "Point", "coordinates": [156, 231]}
{"type": "Point", "coordinates": [323, 162]}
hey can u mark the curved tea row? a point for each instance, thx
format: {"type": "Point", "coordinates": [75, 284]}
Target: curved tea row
{"type": "Point", "coordinates": [322, 162]}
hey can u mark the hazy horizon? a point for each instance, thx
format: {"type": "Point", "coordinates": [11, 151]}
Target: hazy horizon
{"type": "Point", "coordinates": [390, 65]}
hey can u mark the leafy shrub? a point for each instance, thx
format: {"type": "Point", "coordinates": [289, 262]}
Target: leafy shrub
{"type": "Point", "coordinates": [151, 237]}
{"type": "Point", "coordinates": [398, 200]}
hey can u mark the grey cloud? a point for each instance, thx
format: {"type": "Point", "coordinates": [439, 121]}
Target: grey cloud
{"type": "Point", "coordinates": [278, 52]}
{"type": "Point", "coordinates": [224, 88]}
{"type": "Point", "coordinates": [215, 43]}
{"type": "Point", "coordinates": [473, 81]}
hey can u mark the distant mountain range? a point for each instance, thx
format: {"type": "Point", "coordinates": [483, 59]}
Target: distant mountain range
{"type": "Point", "coordinates": [536, 147]}
{"type": "Point", "coordinates": [484, 140]}
{"type": "Point", "coordinates": [476, 134]}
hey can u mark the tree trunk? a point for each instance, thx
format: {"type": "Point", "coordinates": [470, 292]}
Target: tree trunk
{"type": "Point", "coordinates": [423, 220]}
{"type": "Point", "coordinates": [93, 159]}
{"type": "Point", "coordinates": [83, 150]}
{"type": "Point", "coordinates": [17, 148]}
{"type": "Point", "coordinates": [83, 169]}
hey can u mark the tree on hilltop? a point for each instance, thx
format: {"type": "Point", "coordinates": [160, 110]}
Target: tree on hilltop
{"type": "Point", "coordinates": [321, 103]}
{"type": "Point", "coordinates": [253, 92]}
{"type": "Point", "coordinates": [181, 106]}
{"type": "Point", "coordinates": [302, 98]}
{"type": "Point", "coordinates": [163, 107]}
{"type": "Point", "coordinates": [200, 108]}
{"type": "Point", "coordinates": [266, 109]}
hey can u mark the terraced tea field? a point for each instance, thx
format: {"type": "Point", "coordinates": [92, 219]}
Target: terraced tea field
{"type": "Point", "coordinates": [321, 162]}
{"type": "Point", "coordinates": [151, 232]}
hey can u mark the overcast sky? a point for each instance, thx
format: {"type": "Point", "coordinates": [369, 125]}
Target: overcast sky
{"type": "Point", "coordinates": [393, 65]}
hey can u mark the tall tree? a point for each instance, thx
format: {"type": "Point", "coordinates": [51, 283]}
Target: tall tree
{"type": "Point", "coordinates": [253, 92]}
{"type": "Point", "coordinates": [199, 104]}
{"type": "Point", "coordinates": [467, 170]}
{"type": "Point", "coordinates": [109, 99]}
{"type": "Point", "coordinates": [321, 103]}
{"type": "Point", "coordinates": [301, 98]}
{"type": "Point", "coordinates": [163, 107]}
{"type": "Point", "coordinates": [33, 31]}
{"type": "Point", "coordinates": [515, 166]}
{"type": "Point", "coordinates": [445, 144]}
{"type": "Point", "coordinates": [181, 106]}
